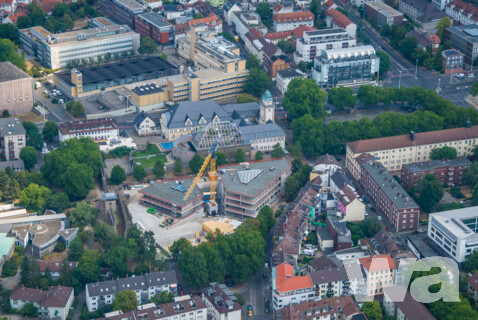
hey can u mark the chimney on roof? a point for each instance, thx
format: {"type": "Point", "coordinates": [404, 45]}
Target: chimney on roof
{"type": "Point", "coordinates": [468, 124]}
{"type": "Point", "coordinates": [412, 136]}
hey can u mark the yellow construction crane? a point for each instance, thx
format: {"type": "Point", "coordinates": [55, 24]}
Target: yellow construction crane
{"type": "Point", "coordinates": [212, 174]}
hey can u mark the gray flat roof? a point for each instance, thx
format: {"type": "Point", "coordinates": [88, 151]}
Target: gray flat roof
{"type": "Point", "coordinates": [389, 185]}
{"type": "Point", "coordinates": [9, 72]}
{"type": "Point", "coordinates": [11, 127]}
{"type": "Point", "coordinates": [164, 190]}
{"type": "Point", "coordinates": [260, 131]}
{"type": "Point", "coordinates": [155, 19]}
{"type": "Point", "coordinates": [418, 241]}
{"type": "Point", "coordinates": [325, 31]}
{"type": "Point", "coordinates": [271, 169]}
{"type": "Point", "coordinates": [432, 164]}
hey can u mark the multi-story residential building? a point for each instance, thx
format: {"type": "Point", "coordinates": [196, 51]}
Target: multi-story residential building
{"type": "Point", "coordinates": [389, 196]}
{"type": "Point", "coordinates": [380, 273]}
{"type": "Point", "coordinates": [122, 11]}
{"type": "Point", "coordinates": [229, 7]}
{"type": "Point", "coordinates": [291, 20]}
{"type": "Point", "coordinates": [221, 303]}
{"type": "Point", "coordinates": [453, 233]}
{"type": "Point", "coordinates": [472, 287]}
{"type": "Point", "coordinates": [406, 308]}
{"type": "Point", "coordinates": [244, 192]}
{"type": "Point", "coordinates": [338, 20]}
{"type": "Point", "coordinates": [447, 171]}
{"type": "Point", "coordinates": [16, 89]}
{"type": "Point", "coordinates": [243, 21]}
{"type": "Point", "coordinates": [465, 39]}
{"type": "Point", "coordinates": [343, 308]}
{"type": "Point", "coordinates": [393, 152]}
{"type": "Point", "coordinates": [330, 282]}
{"type": "Point", "coordinates": [207, 51]}
{"type": "Point", "coordinates": [338, 231]}
{"type": "Point", "coordinates": [452, 60]}
{"type": "Point", "coordinates": [382, 14]}
{"type": "Point", "coordinates": [99, 294]}
{"type": "Point", "coordinates": [359, 3]}
{"type": "Point", "coordinates": [284, 77]}
{"type": "Point", "coordinates": [213, 21]}
{"type": "Point", "coordinates": [155, 26]}
{"type": "Point", "coordinates": [423, 12]}
{"type": "Point", "coordinates": [350, 66]}
{"type": "Point", "coordinates": [57, 50]}
{"type": "Point", "coordinates": [81, 82]}
{"type": "Point", "coordinates": [314, 42]}
{"type": "Point", "coordinates": [350, 205]}
{"type": "Point", "coordinates": [288, 289]}
{"type": "Point", "coordinates": [145, 125]}
{"type": "Point", "coordinates": [55, 302]}
{"type": "Point", "coordinates": [12, 138]}
{"type": "Point", "coordinates": [168, 197]}
{"type": "Point", "coordinates": [462, 12]}
{"type": "Point", "coordinates": [98, 129]}
{"type": "Point", "coordinates": [441, 3]}
{"type": "Point", "coordinates": [183, 307]}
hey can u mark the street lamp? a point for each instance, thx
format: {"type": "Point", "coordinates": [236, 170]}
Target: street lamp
{"type": "Point", "coordinates": [400, 79]}
{"type": "Point", "coordinates": [416, 69]}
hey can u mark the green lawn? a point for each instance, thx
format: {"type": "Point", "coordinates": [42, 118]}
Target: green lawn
{"type": "Point", "coordinates": [149, 163]}
{"type": "Point", "coordinates": [152, 149]}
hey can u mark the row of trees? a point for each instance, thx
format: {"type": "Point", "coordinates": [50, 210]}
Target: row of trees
{"type": "Point", "coordinates": [258, 80]}
{"type": "Point", "coordinates": [433, 113]}
{"type": "Point", "coordinates": [239, 255]}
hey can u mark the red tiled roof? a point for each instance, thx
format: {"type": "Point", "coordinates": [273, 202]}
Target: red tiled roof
{"type": "Point", "coordinates": [422, 138]}
{"type": "Point", "coordinates": [278, 35]}
{"type": "Point", "coordinates": [14, 17]}
{"type": "Point", "coordinates": [468, 9]}
{"type": "Point", "coordinates": [181, 28]}
{"type": "Point", "coordinates": [212, 20]}
{"type": "Point", "coordinates": [299, 31]}
{"type": "Point", "coordinates": [9, 2]}
{"type": "Point", "coordinates": [339, 18]}
{"type": "Point", "coordinates": [286, 281]}
{"type": "Point", "coordinates": [376, 263]}
{"type": "Point", "coordinates": [255, 33]}
{"type": "Point", "coordinates": [293, 16]}
{"type": "Point", "coordinates": [325, 308]}
{"type": "Point", "coordinates": [434, 38]}
{"type": "Point", "coordinates": [278, 7]}
{"type": "Point", "coordinates": [55, 266]}
{"type": "Point", "coordinates": [328, 5]}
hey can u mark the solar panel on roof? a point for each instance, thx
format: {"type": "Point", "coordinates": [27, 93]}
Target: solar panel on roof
{"type": "Point", "coordinates": [247, 176]}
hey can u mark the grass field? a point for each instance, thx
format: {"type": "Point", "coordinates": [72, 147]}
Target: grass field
{"type": "Point", "coordinates": [149, 163]}
{"type": "Point", "coordinates": [152, 149]}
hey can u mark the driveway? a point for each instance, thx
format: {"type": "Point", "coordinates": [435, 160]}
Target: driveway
{"type": "Point", "coordinates": [10, 282]}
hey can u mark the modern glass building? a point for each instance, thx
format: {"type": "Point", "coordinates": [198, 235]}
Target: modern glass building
{"type": "Point", "coordinates": [346, 66]}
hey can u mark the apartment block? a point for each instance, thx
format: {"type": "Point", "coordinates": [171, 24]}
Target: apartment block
{"type": "Point", "coordinates": [12, 138]}
{"type": "Point", "coordinates": [423, 12]}
{"type": "Point", "coordinates": [331, 282]}
{"type": "Point", "coordinates": [446, 171]}
{"type": "Point", "coordinates": [462, 12]}
{"type": "Point", "coordinates": [452, 61]}
{"type": "Point", "coordinates": [122, 11]}
{"type": "Point", "coordinates": [314, 42]}
{"type": "Point", "coordinates": [155, 26]}
{"type": "Point", "coordinates": [98, 129]}
{"type": "Point", "coordinates": [404, 308]}
{"type": "Point", "coordinates": [57, 50]}
{"type": "Point", "coordinates": [336, 19]}
{"type": "Point", "coordinates": [209, 51]}
{"type": "Point", "coordinates": [350, 66]}
{"type": "Point", "coordinates": [16, 89]}
{"type": "Point", "coordinates": [465, 39]}
{"type": "Point", "coordinates": [221, 303]}
{"type": "Point", "coordinates": [289, 289]}
{"type": "Point", "coordinates": [350, 205]}
{"type": "Point", "coordinates": [380, 273]}
{"type": "Point", "coordinates": [389, 197]}
{"type": "Point", "coordinates": [99, 294]}
{"type": "Point", "coordinates": [454, 233]}
{"type": "Point", "coordinates": [284, 77]}
{"type": "Point", "coordinates": [382, 14]}
{"type": "Point", "coordinates": [291, 20]}
{"type": "Point", "coordinates": [394, 152]}
{"type": "Point", "coordinates": [249, 188]}
{"type": "Point", "coordinates": [183, 307]}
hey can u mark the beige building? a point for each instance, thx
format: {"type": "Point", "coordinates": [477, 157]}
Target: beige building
{"type": "Point", "coordinates": [393, 152]}
{"type": "Point", "coordinates": [16, 89]}
{"type": "Point", "coordinates": [12, 138]}
{"type": "Point", "coordinates": [380, 273]}
{"type": "Point", "coordinates": [209, 51]}
{"type": "Point", "coordinates": [350, 205]}
{"type": "Point", "coordinates": [404, 308]}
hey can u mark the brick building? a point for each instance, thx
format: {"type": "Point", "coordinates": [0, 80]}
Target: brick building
{"type": "Point", "coordinates": [449, 171]}
{"type": "Point", "coordinates": [153, 25]}
{"type": "Point", "coordinates": [122, 11]}
{"type": "Point", "coordinates": [389, 197]}
{"type": "Point", "coordinates": [382, 14]}
{"type": "Point", "coordinates": [452, 61]}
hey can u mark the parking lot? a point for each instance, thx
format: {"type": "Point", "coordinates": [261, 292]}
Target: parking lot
{"type": "Point", "coordinates": [185, 228]}
{"type": "Point", "coordinates": [104, 102]}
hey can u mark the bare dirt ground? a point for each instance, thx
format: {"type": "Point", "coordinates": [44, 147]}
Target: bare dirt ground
{"type": "Point", "coordinates": [29, 116]}
{"type": "Point", "coordinates": [81, 23]}
{"type": "Point", "coordinates": [56, 256]}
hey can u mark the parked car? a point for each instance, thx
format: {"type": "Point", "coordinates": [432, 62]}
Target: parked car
{"type": "Point", "coordinates": [379, 218]}
{"type": "Point", "coordinates": [264, 275]}
{"type": "Point", "coordinates": [266, 306]}
{"type": "Point", "coordinates": [373, 209]}
{"type": "Point", "coordinates": [249, 311]}
{"type": "Point", "coordinates": [464, 201]}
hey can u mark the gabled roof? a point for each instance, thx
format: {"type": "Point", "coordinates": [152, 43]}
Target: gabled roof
{"type": "Point", "coordinates": [278, 35]}
{"type": "Point", "coordinates": [464, 8]}
{"type": "Point", "coordinates": [56, 297]}
{"type": "Point", "coordinates": [339, 19]}
{"type": "Point", "coordinates": [286, 281]}
{"type": "Point", "coordinates": [211, 20]}
{"type": "Point", "coordinates": [299, 31]}
{"type": "Point", "coordinates": [376, 263]}
{"type": "Point", "coordinates": [328, 275]}
{"type": "Point", "coordinates": [411, 308]}
{"type": "Point", "coordinates": [293, 16]}
{"type": "Point", "coordinates": [208, 109]}
{"type": "Point", "coordinates": [140, 118]}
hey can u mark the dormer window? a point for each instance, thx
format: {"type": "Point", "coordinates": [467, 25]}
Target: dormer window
{"type": "Point", "coordinates": [188, 122]}
{"type": "Point", "coordinates": [202, 120]}
{"type": "Point", "coordinates": [216, 119]}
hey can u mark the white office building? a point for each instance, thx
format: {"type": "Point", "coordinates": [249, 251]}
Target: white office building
{"type": "Point", "coordinates": [315, 41]}
{"type": "Point", "coordinates": [97, 129]}
{"type": "Point", "coordinates": [351, 66]}
{"type": "Point", "coordinates": [454, 232]}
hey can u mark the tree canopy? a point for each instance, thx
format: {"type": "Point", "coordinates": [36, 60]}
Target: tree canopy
{"type": "Point", "coordinates": [118, 175]}
{"type": "Point", "coordinates": [147, 46]}
{"type": "Point", "coordinates": [35, 197]}
{"type": "Point", "coordinates": [158, 169]}
{"type": "Point", "coordinates": [372, 310]}
{"type": "Point", "coordinates": [245, 97]}
{"type": "Point", "coordinates": [444, 23]}
{"type": "Point", "coordinates": [342, 97]}
{"type": "Point", "coordinates": [304, 96]}
{"type": "Point", "coordinates": [139, 173]}
{"type": "Point", "coordinates": [443, 153]}
{"type": "Point", "coordinates": [196, 162]}
{"type": "Point", "coordinates": [277, 151]}
{"type": "Point", "coordinates": [82, 215]}
{"type": "Point", "coordinates": [8, 52]}
{"type": "Point", "coordinates": [29, 156]}
{"type": "Point", "coordinates": [384, 63]}
{"type": "Point", "coordinates": [50, 130]}
{"type": "Point", "coordinates": [75, 108]}
{"type": "Point", "coordinates": [239, 155]}
{"type": "Point", "coordinates": [178, 166]}
{"type": "Point", "coordinates": [430, 192]}
{"type": "Point", "coordinates": [257, 82]}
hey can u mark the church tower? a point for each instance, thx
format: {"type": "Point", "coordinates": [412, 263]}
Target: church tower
{"type": "Point", "coordinates": [267, 108]}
